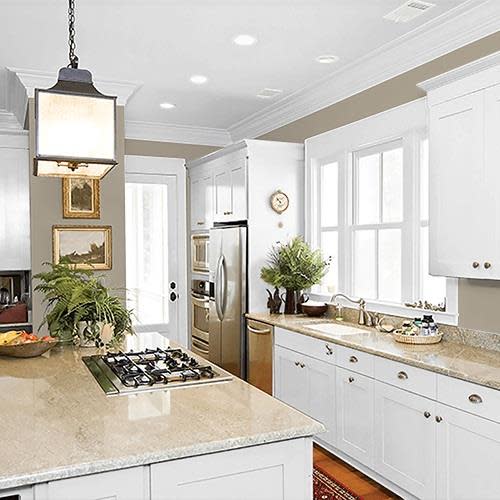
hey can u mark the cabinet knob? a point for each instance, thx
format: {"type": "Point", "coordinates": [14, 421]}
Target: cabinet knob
{"type": "Point", "coordinates": [353, 359]}
{"type": "Point", "coordinates": [297, 363]}
{"type": "Point", "coordinates": [475, 264]}
{"type": "Point", "coordinates": [487, 265]}
{"type": "Point", "coordinates": [439, 419]}
{"type": "Point", "coordinates": [475, 398]}
{"type": "Point", "coordinates": [427, 414]}
{"type": "Point", "coordinates": [329, 350]}
{"type": "Point", "coordinates": [351, 380]}
{"type": "Point", "coordinates": [302, 365]}
{"type": "Point", "coordinates": [402, 375]}
{"type": "Point", "coordinates": [200, 223]}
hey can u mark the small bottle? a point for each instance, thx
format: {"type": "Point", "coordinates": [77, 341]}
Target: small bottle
{"type": "Point", "coordinates": [424, 329]}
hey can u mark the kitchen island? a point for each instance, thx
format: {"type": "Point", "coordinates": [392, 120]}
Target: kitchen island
{"type": "Point", "coordinates": [65, 439]}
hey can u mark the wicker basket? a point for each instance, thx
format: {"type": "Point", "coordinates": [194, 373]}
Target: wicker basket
{"type": "Point", "coordinates": [417, 339]}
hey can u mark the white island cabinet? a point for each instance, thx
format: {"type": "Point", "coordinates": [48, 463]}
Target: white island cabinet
{"type": "Point", "coordinates": [464, 207]}
{"type": "Point", "coordinates": [421, 434]}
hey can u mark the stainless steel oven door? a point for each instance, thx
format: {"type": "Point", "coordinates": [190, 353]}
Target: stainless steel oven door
{"type": "Point", "coordinates": [199, 317]}
{"type": "Point", "coordinates": [199, 347]}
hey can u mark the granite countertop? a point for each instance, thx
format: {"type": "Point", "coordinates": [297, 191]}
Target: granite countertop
{"type": "Point", "coordinates": [481, 366]}
{"type": "Point", "coordinates": [58, 423]}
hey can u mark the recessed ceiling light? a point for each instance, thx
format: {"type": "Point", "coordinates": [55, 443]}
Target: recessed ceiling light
{"type": "Point", "coordinates": [167, 105]}
{"type": "Point", "coordinates": [198, 79]}
{"type": "Point", "coordinates": [245, 40]}
{"type": "Point", "coordinates": [327, 59]}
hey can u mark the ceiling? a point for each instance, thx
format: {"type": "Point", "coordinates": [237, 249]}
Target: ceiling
{"type": "Point", "coordinates": [161, 43]}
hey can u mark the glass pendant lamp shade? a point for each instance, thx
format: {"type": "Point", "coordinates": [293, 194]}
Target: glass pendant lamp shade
{"type": "Point", "coordinates": [75, 128]}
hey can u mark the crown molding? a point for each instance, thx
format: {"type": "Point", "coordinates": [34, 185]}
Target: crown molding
{"type": "Point", "coordinates": [34, 79]}
{"type": "Point", "coordinates": [460, 26]}
{"type": "Point", "coordinates": [184, 134]}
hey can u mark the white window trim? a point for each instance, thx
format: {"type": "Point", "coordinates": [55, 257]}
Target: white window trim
{"type": "Point", "coordinates": [409, 123]}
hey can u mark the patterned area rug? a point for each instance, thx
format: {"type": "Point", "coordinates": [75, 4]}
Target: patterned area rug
{"type": "Point", "coordinates": [327, 488]}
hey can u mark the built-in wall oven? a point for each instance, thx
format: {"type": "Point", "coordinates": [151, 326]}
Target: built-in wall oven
{"type": "Point", "coordinates": [199, 317]}
{"type": "Point", "coordinates": [199, 253]}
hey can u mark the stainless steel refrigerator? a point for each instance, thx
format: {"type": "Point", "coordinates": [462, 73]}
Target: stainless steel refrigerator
{"type": "Point", "coordinates": [228, 297]}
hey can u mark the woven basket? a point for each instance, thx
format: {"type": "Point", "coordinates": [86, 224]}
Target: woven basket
{"type": "Point", "coordinates": [417, 339]}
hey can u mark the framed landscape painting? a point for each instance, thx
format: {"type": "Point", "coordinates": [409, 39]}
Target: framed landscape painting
{"type": "Point", "coordinates": [88, 247]}
{"type": "Point", "coordinates": [81, 198]}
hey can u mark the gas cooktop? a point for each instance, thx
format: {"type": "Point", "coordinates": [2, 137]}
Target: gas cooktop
{"type": "Point", "coordinates": [150, 369]}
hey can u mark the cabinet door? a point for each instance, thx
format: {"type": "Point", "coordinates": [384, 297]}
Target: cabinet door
{"type": "Point", "coordinates": [491, 198]}
{"type": "Point", "coordinates": [222, 192]}
{"type": "Point", "coordinates": [15, 209]}
{"type": "Point", "coordinates": [238, 189]}
{"type": "Point", "coordinates": [290, 384]}
{"type": "Point", "coordinates": [320, 392]}
{"type": "Point", "coordinates": [201, 202]}
{"type": "Point", "coordinates": [458, 221]}
{"type": "Point", "coordinates": [125, 484]}
{"type": "Point", "coordinates": [468, 455]}
{"type": "Point", "coordinates": [355, 398]}
{"type": "Point", "coordinates": [405, 434]}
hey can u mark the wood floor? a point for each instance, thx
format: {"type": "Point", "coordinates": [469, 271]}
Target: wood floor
{"type": "Point", "coordinates": [360, 484]}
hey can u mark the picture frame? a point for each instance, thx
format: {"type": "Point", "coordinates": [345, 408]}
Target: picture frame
{"type": "Point", "coordinates": [86, 247]}
{"type": "Point", "coordinates": [81, 198]}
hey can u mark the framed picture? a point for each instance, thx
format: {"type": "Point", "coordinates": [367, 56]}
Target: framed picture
{"type": "Point", "coordinates": [88, 247]}
{"type": "Point", "coordinates": [81, 198]}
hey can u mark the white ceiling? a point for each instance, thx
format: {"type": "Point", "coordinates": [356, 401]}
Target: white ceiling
{"type": "Point", "coordinates": [161, 43]}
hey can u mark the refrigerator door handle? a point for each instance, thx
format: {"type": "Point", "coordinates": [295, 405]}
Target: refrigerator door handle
{"type": "Point", "coordinates": [223, 289]}
{"type": "Point", "coordinates": [218, 286]}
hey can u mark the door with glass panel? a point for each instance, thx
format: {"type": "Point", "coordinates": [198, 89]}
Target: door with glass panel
{"type": "Point", "coordinates": [155, 283]}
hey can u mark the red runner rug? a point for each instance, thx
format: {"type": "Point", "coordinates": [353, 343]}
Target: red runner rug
{"type": "Point", "coordinates": [325, 487]}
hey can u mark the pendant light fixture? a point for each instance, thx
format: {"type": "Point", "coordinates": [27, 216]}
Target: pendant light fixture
{"type": "Point", "coordinates": [75, 124]}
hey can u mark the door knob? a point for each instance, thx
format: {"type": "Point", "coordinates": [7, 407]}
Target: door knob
{"type": "Point", "coordinates": [173, 285]}
{"type": "Point", "coordinates": [173, 296]}
{"type": "Point", "coordinates": [475, 264]}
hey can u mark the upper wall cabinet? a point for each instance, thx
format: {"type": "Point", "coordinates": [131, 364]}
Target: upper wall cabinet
{"type": "Point", "coordinates": [14, 203]}
{"type": "Point", "coordinates": [201, 200]}
{"type": "Point", "coordinates": [464, 126]}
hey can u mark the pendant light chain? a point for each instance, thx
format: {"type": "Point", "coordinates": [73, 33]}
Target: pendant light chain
{"type": "Point", "coordinates": [73, 59]}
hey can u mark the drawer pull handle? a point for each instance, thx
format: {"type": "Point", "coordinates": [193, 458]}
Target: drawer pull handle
{"type": "Point", "coordinates": [200, 223]}
{"type": "Point", "coordinates": [439, 419]}
{"type": "Point", "coordinates": [329, 350]}
{"type": "Point", "coordinates": [351, 380]}
{"type": "Point", "coordinates": [427, 414]}
{"type": "Point", "coordinates": [403, 376]}
{"type": "Point", "coordinates": [475, 398]}
{"type": "Point", "coordinates": [353, 359]}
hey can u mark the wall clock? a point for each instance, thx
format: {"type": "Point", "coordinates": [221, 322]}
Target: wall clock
{"type": "Point", "coordinates": [279, 202]}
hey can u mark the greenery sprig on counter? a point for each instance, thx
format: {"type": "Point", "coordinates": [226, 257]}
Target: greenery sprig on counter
{"type": "Point", "coordinates": [75, 295]}
{"type": "Point", "coordinates": [294, 266]}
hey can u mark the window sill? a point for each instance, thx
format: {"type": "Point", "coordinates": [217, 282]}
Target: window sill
{"type": "Point", "coordinates": [445, 318]}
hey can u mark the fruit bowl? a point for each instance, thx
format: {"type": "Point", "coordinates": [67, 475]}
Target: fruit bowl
{"type": "Point", "coordinates": [25, 345]}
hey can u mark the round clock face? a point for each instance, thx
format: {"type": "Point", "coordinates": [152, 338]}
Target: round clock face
{"type": "Point", "coordinates": [279, 202]}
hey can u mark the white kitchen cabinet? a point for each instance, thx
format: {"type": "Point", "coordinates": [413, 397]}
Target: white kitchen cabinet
{"type": "Point", "coordinates": [201, 201]}
{"type": "Point", "coordinates": [464, 215]}
{"type": "Point", "coordinates": [354, 401]}
{"type": "Point", "coordinates": [308, 385]}
{"type": "Point", "coordinates": [468, 456]}
{"type": "Point", "coordinates": [14, 203]}
{"type": "Point", "coordinates": [25, 493]}
{"type": "Point", "coordinates": [405, 435]}
{"type": "Point", "coordinates": [124, 484]}
{"type": "Point", "coordinates": [278, 470]}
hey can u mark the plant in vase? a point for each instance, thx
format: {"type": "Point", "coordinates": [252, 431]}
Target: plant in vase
{"type": "Point", "coordinates": [294, 266]}
{"type": "Point", "coordinates": [80, 307]}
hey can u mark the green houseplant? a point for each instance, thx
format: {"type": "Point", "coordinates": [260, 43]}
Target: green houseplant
{"type": "Point", "coordinates": [79, 304]}
{"type": "Point", "coordinates": [294, 266]}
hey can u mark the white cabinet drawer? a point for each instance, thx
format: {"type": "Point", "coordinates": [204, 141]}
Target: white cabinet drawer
{"type": "Point", "coordinates": [406, 377]}
{"type": "Point", "coordinates": [473, 398]}
{"type": "Point", "coordinates": [357, 361]}
{"type": "Point", "coordinates": [319, 349]}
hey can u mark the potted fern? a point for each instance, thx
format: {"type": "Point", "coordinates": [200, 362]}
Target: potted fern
{"type": "Point", "coordinates": [295, 267]}
{"type": "Point", "coordinates": [80, 308]}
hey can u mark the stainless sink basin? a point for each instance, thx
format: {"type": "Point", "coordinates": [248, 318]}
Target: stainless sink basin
{"type": "Point", "coordinates": [335, 329]}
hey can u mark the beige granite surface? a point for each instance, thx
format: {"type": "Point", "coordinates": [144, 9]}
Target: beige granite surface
{"type": "Point", "coordinates": [481, 366]}
{"type": "Point", "coordinates": [57, 422]}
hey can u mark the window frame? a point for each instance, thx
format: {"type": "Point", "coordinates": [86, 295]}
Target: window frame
{"type": "Point", "coordinates": [407, 125]}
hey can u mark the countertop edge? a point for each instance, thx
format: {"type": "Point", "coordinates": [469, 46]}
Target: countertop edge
{"type": "Point", "coordinates": [84, 469]}
{"type": "Point", "coordinates": [492, 384]}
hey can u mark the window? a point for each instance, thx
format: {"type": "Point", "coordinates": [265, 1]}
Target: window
{"type": "Point", "coordinates": [368, 211]}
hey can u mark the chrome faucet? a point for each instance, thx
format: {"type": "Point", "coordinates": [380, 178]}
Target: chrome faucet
{"type": "Point", "coordinates": [364, 318]}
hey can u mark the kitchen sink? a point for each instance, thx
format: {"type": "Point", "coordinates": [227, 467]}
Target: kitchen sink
{"type": "Point", "coordinates": [335, 328]}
